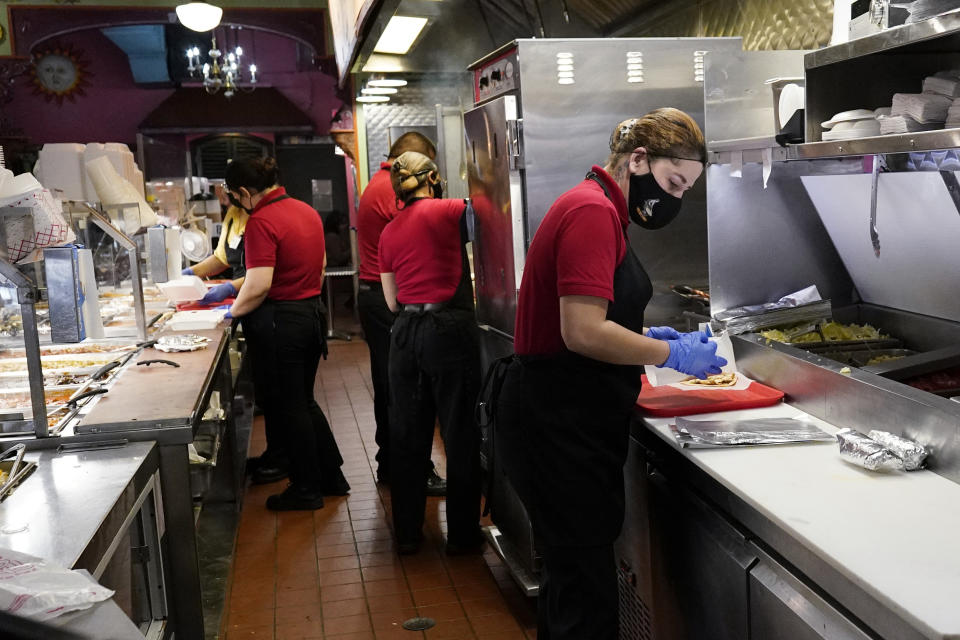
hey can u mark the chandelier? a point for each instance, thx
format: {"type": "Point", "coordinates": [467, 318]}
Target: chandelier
{"type": "Point", "coordinates": [221, 72]}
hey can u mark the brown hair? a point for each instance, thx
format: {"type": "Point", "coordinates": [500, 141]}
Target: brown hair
{"type": "Point", "coordinates": [413, 141]}
{"type": "Point", "coordinates": [409, 172]}
{"type": "Point", "coordinates": [662, 132]}
{"type": "Point", "coordinates": [255, 174]}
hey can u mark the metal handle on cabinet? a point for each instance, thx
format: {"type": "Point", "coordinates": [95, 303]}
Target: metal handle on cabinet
{"type": "Point", "coordinates": [514, 149]}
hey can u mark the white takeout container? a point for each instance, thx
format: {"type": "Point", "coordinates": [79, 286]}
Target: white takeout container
{"type": "Point", "coordinates": [185, 289]}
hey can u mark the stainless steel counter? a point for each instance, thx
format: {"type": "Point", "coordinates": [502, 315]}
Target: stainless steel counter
{"type": "Point", "coordinates": [59, 509]}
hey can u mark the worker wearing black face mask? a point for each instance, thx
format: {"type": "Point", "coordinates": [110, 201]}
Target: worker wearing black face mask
{"type": "Point", "coordinates": [434, 355]}
{"type": "Point", "coordinates": [562, 418]}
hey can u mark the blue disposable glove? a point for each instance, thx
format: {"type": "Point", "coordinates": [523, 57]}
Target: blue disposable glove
{"type": "Point", "coordinates": [228, 315]}
{"type": "Point", "coordinates": [219, 293]}
{"type": "Point", "coordinates": [662, 333]}
{"type": "Point", "coordinates": [695, 355]}
{"type": "Point", "coordinates": [188, 272]}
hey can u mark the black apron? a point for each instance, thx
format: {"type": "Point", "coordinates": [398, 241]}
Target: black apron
{"type": "Point", "coordinates": [236, 259]}
{"type": "Point", "coordinates": [561, 427]}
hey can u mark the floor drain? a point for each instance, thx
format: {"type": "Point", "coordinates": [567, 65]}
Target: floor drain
{"type": "Point", "coordinates": [419, 624]}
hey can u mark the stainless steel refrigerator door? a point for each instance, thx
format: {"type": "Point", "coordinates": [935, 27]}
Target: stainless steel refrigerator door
{"type": "Point", "coordinates": [499, 244]}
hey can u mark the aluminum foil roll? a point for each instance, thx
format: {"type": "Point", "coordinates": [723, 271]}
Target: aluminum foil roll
{"type": "Point", "coordinates": [909, 451]}
{"type": "Point", "coordinates": [860, 450]}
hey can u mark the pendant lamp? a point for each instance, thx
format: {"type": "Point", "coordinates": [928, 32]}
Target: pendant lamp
{"type": "Point", "coordinates": [199, 16]}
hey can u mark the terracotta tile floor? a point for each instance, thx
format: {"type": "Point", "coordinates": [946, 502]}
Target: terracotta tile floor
{"type": "Point", "coordinates": [333, 573]}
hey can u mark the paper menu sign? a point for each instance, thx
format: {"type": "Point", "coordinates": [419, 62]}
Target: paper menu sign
{"type": "Point", "coordinates": [658, 376]}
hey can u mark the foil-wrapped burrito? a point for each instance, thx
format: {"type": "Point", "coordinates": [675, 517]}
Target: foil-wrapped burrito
{"type": "Point", "coordinates": [181, 342]}
{"type": "Point", "coordinates": [860, 450]}
{"type": "Point", "coordinates": [909, 451]}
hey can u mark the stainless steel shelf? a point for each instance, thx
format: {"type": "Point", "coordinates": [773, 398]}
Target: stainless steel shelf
{"type": "Point", "coordinates": [945, 25]}
{"type": "Point", "coordinates": [900, 143]}
{"type": "Point", "coordinates": [719, 151]}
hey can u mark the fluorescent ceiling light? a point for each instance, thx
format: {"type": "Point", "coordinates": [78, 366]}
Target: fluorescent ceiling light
{"type": "Point", "coordinates": [199, 16]}
{"type": "Point", "coordinates": [400, 34]}
{"type": "Point", "coordinates": [387, 82]}
{"type": "Point", "coordinates": [368, 98]}
{"type": "Point", "coordinates": [382, 91]}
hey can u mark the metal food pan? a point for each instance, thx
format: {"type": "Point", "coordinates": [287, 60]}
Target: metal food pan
{"type": "Point", "coordinates": [918, 364]}
{"type": "Point", "coordinates": [847, 345]}
{"type": "Point", "coordinates": [861, 357]}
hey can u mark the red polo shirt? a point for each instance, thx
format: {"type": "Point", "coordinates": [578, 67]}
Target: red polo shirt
{"type": "Point", "coordinates": [288, 236]}
{"type": "Point", "coordinates": [574, 252]}
{"type": "Point", "coordinates": [421, 247]}
{"type": "Point", "coordinates": [378, 206]}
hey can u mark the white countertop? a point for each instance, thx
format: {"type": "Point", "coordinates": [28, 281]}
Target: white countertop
{"type": "Point", "coordinates": [895, 535]}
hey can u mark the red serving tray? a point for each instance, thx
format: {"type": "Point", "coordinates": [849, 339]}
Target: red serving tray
{"type": "Point", "coordinates": [196, 306]}
{"type": "Point", "coordinates": [667, 402]}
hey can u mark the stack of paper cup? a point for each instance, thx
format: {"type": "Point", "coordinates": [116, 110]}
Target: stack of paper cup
{"type": "Point", "coordinates": [114, 189]}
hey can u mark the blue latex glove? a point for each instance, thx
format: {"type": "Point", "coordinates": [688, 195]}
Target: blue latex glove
{"type": "Point", "coordinates": [219, 293]}
{"type": "Point", "coordinates": [662, 333]}
{"type": "Point", "coordinates": [228, 316]}
{"type": "Point", "coordinates": [187, 272]}
{"type": "Point", "coordinates": [695, 355]}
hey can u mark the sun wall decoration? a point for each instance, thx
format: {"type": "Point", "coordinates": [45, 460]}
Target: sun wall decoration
{"type": "Point", "coordinates": [59, 71]}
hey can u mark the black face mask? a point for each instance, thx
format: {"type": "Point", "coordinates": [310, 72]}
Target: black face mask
{"type": "Point", "coordinates": [648, 204]}
{"type": "Point", "coordinates": [235, 202]}
{"type": "Point", "coordinates": [437, 189]}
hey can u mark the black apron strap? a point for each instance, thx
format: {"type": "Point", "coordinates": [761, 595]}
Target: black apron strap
{"type": "Point", "coordinates": [485, 414]}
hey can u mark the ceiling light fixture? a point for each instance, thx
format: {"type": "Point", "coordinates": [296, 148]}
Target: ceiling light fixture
{"type": "Point", "coordinates": [387, 82]}
{"type": "Point", "coordinates": [399, 35]}
{"type": "Point", "coordinates": [369, 98]}
{"type": "Point", "coordinates": [199, 16]}
{"type": "Point", "coordinates": [381, 91]}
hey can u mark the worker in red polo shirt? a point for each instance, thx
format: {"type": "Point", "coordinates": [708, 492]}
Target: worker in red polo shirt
{"type": "Point", "coordinates": [562, 419]}
{"type": "Point", "coordinates": [284, 323]}
{"type": "Point", "coordinates": [377, 207]}
{"type": "Point", "coordinates": [434, 355]}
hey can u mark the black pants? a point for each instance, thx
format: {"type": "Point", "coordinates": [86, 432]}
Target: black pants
{"type": "Point", "coordinates": [287, 340]}
{"type": "Point", "coordinates": [376, 320]}
{"type": "Point", "coordinates": [562, 432]}
{"type": "Point", "coordinates": [577, 587]}
{"type": "Point", "coordinates": [276, 453]}
{"type": "Point", "coordinates": [434, 373]}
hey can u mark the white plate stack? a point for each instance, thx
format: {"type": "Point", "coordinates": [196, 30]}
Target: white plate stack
{"type": "Point", "coordinates": [848, 125]}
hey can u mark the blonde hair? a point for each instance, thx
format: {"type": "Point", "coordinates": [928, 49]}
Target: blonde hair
{"type": "Point", "coordinates": [662, 132]}
{"type": "Point", "coordinates": [409, 172]}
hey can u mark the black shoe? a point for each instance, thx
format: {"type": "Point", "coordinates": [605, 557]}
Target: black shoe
{"type": "Point", "coordinates": [295, 499]}
{"type": "Point", "coordinates": [473, 544]}
{"type": "Point", "coordinates": [409, 547]}
{"type": "Point", "coordinates": [339, 487]}
{"type": "Point", "coordinates": [436, 486]}
{"type": "Point", "coordinates": [269, 474]}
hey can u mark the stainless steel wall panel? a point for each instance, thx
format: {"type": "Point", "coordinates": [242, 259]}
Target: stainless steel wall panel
{"type": "Point", "coordinates": [566, 127]}
{"type": "Point", "coordinates": [766, 243]}
{"type": "Point", "coordinates": [737, 102]}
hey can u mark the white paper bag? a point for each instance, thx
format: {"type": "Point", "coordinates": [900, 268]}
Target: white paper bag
{"type": "Point", "coordinates": [50, 229]}
{"type": "Point", "coordinates": [31, 588]}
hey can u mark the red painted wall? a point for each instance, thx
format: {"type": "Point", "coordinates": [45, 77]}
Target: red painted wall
{"type": "Point", "coordinates": [114, 106]}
